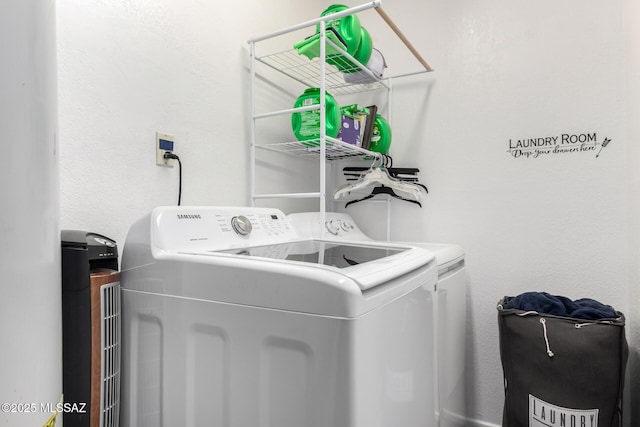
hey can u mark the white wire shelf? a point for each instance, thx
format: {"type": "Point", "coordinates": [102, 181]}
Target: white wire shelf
{"type": "Point", "coordinates": [308, 72]}
{"type": "Point", "coordinates": [334, 71]}
{"type": "Point", "coordinates": [335, 149]}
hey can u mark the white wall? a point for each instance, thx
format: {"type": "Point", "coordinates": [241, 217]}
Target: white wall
{"type": "Point", "coordinates": [632, 47]}
{"type": "Point", "coordinates": [504, 71]}
{"type": "Point", "coordinates": [30, 296]}
{"type": "Point", "coordinates": [129, 69]}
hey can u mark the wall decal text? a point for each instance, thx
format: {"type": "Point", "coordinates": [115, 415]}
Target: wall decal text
{"type": "Point", "coordinates": [566, 143]}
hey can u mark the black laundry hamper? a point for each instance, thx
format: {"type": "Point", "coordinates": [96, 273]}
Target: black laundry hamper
{"type": "Point", "coordinates": [561, 371]}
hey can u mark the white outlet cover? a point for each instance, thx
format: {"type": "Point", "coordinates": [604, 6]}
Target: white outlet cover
{"type": "Point", "coordinates": [160, 160]}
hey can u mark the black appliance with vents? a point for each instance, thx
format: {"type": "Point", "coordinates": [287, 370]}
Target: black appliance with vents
{"type": "Point", "coordinates": [90, 329]}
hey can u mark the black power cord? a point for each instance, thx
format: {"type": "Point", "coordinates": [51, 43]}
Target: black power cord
{"type": "Point", "coordinates": [170, 155]}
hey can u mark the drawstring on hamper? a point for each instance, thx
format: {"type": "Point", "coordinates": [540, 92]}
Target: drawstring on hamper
{"type": "Point", "coordinates": [546, 339]}
{"type": "Point", "coordinates": [544, 328]}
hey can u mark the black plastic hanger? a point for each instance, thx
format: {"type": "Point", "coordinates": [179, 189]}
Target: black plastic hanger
{"type": "Point", "coordinates": [382, 190]}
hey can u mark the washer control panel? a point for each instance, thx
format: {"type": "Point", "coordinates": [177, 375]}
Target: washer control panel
{"type": "Point", "coordinates": [336, 225]}
{"type": "Point", "coordinates": [201, 228]}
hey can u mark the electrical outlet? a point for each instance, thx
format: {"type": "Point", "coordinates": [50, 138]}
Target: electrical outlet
{"type": "Point", "coordinates": [164, 143]}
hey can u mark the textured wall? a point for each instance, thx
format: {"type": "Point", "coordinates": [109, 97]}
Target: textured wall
{"type": "Point", "coordinates": [130, 68]}
{"type": "Point", "coordinates": [31, 356]}
{"type": "Point", "coordinates": [632, 46]}
{"type": "Point", "coordinates": [507, 72]}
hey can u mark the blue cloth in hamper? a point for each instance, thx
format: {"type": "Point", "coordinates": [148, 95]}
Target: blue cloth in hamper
{"type": "Point", "coordinates": [542, 302]}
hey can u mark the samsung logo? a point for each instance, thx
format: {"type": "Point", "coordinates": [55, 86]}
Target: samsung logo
{"type": "Point", "coordinates": [188, 216]}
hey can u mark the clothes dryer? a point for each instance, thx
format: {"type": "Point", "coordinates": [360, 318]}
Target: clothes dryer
{"type": "Point", "coordinates": [230, 318]}
{"type": "Point", "coordinates": [450, 309]}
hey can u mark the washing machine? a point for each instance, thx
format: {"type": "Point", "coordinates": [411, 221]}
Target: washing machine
{"type": "Point", "coordinates": [450, 309]}
{"type": "Point", "coordinates": [231, 318]}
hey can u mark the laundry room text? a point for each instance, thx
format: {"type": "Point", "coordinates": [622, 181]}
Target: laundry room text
{"type": "Point", "coordinates": [565, 143]}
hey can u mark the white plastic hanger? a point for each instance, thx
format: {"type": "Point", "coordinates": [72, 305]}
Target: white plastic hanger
{"type": "Point", "coordinates": [376, 177]}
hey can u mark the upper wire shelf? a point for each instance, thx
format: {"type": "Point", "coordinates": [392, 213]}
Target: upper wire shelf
{"type": "Point", "coordinates": [308, 72]}
{"type": "Point", "coordinates": [353, 78]}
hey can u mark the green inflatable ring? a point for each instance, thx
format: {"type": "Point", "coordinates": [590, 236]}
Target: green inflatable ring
{"type": "Point", "coordinates": [348, 27]}
{"type": "Point", "coordinates": [381, 136]}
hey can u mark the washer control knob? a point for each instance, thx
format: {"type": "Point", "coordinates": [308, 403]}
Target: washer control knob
{"type": "Point", "coordinates": [346, 226]}
{"type": "Point", "coordinates": [333, 227]}
{"type": "Point", "coordinates": [241, 225]}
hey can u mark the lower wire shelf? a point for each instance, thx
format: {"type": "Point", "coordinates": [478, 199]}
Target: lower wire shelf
{"type": "Point", "coordinates": [334, 149]}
